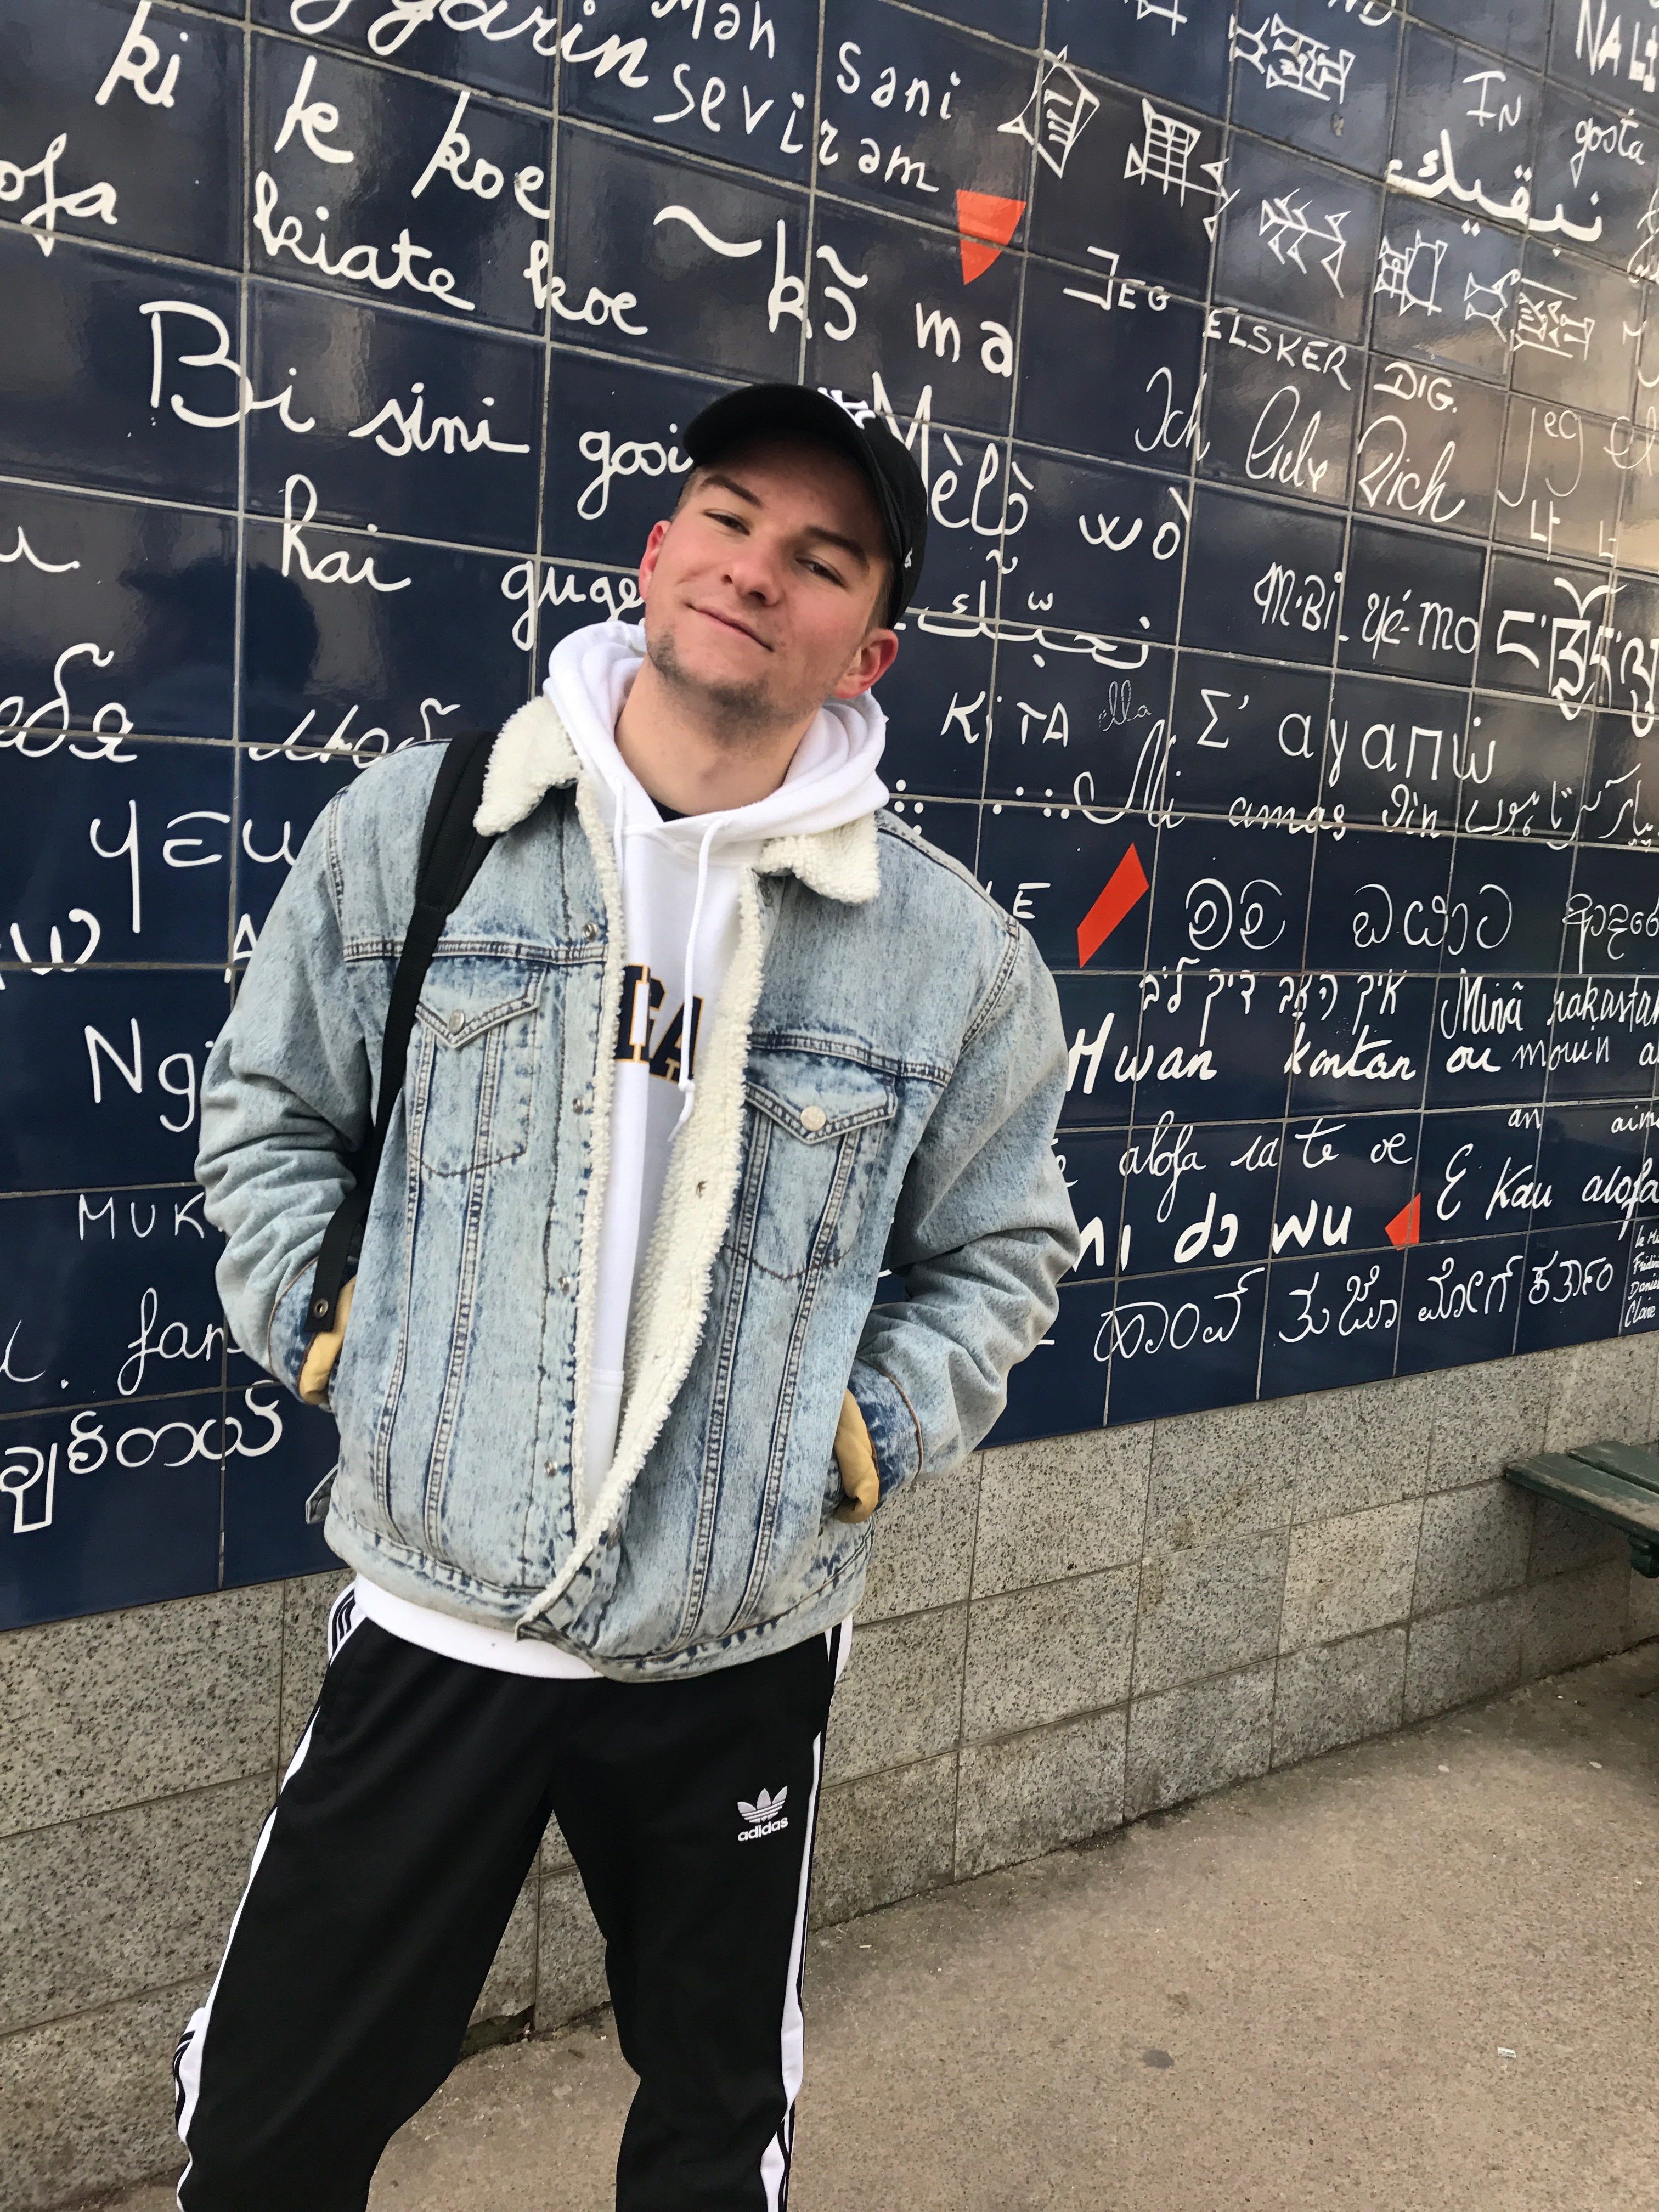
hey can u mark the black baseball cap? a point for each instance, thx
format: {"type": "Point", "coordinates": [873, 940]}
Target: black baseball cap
{"type": "Point", "coordinates": [886, 461]}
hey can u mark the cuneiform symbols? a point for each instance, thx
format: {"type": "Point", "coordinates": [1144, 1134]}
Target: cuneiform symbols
{"type": "Point", "coordinates": [1288, 228]}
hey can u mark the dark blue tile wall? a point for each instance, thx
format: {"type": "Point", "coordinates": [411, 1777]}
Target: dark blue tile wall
{"type": "Point", "coordinates": [1288, 657]}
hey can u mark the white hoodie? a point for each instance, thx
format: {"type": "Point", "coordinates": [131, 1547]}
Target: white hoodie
{"type": "Point", "coordinates": [679, 885]}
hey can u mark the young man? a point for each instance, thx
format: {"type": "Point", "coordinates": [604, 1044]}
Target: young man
{"type": "Point", "coordinates": [707, 1041]}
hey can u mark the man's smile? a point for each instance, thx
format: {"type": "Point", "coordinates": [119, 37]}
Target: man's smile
{"type": "Point", "coordinates": [726, 622]}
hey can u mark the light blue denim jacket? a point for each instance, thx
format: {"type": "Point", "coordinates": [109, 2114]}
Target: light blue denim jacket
{"type": "Point", "coordinates": [880, 1086]}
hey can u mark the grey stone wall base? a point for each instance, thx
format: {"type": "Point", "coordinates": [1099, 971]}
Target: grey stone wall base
{"type": "Point", "coordinates": [1056, 1637]}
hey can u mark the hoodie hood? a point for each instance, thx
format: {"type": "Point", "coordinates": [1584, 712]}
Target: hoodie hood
{"type": "Point", "coordinates": [831, 778]}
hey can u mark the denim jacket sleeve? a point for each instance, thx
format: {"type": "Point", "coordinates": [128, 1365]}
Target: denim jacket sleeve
{"type": "Point", "coordinates": [285, 1097]}
{"type": "Point", "coordinates": [982, 1233]}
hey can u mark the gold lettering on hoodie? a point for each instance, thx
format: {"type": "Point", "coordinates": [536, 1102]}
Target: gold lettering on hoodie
{"type": "Point", "coordinates": [642, 995]}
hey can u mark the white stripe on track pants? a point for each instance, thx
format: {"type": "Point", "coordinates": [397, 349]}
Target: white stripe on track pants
{"type": "Point", "coordinates": [385, 1874]}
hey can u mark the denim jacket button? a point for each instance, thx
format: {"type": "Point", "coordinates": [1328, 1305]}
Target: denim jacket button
{"type": "Point", "coordinates": [590, 930]}
{"type": "Point", "coordinates": [456, 1022]}
{"type": "Point", "coordinates": [813, 1117]}
{"type": "Point", "coordinates": [579, 1104]}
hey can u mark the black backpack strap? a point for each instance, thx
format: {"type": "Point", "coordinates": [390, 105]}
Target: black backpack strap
{"type": "Point", "coordinates": [452, 853]}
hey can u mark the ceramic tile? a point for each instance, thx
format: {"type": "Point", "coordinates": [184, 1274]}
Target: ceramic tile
{"type": "Point", "coordinates": [97, 1539]}
{"type": "Point", "coordinates": [1177, 49]}
{"type": "Point", "coordinates": [912, 111]}
{"type": "Point", "coordinates": [515, 57]}
{"type": "Point", "coordinates": [125, 1301]}
{"type": "Point", "coordinates": [687, 79]}
{"type": "Point", "coordinates": [144, 599]}
{"type": "Point", "coordinates": [123, 861]}
{"type": "Point", "coordinates": [1430, 448]}
{"type": "Point", "coordinates": [98, 1077]}
{"type": "Point", "coordinates": [407, 419]}
{"type": "Point", "coordinates": [1326, 87]}
{"type": "Point", "coordinates": [1517, 28]}
{"type": "Point", "coordinates": [1299, 239]}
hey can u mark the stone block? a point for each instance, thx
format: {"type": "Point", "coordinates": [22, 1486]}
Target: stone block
{"type": "Point", "coordinates": [1029, 1793]}
{"type": "Point", "coordinates": [1475, 1542]}
{"type": "Point", "coordinates": [1061, 1506]}
{"type": "Point", "coordinates": [1210, 1608]}
{"type": "Point", "coordinates": [1603, 1391]}
{"type": "Point", "coordinates": [569, 1955]}
{"type": "Point", "coordinates": [86, 2104]}
{"type": "Point", "coordinates": [883, 1838]}
{"type": "Point", "coordinates": [1037, 1655]}
{"type": "Point", "coordinates": [1480, 1418]}
{"type": "Point", "coordinates": [1231, 1472]}
{"type": "Point", "coordinates": [1573, 1618]}
{"type": "Point", "coordinates": [1350, 1574]}
{"type": "Point", "coordinates": [901, 1697]}
{"type": "Point", "coordinates": [121, 1707]}
{"type": "Point", "coordinates": [100, 1910]}
{"type": "Point", "coordinates": [1336, 1694]}
{"type": "Point", "coordinates": [1184, 1742]}
{"type": "Point", "coordinates": [922, 1545]}
{"type": "Point", "coordinates": [1363, 1448]}
{"type": "Point", "coordinates": [1468, 1652]}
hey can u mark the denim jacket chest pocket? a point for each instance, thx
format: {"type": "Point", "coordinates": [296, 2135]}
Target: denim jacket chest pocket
{"type": "Point", "coordinates": [815, 1126]}
{"type": "Point", "coordinates": [472, 1080]}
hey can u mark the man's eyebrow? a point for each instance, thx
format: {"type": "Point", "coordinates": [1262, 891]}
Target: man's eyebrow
{"type": "Point", "coordinates": [813, 530]}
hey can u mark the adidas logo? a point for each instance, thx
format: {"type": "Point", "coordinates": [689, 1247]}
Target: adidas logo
{"type": "Point", "coordinates": [765, 1816]}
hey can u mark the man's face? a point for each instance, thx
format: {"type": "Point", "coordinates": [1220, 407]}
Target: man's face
{"type": "Point", "coordinates": [760, 591]}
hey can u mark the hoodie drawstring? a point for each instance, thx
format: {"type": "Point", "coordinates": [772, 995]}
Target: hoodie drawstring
{"type": "Point", "coordinates": [619, 791]}
{"type": "Point", "coordinates": [619, 829]}
{"type": "Point", "coordinates": [688, 1081]}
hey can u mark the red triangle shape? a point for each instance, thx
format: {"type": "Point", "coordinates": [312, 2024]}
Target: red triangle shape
{"type": "Point", "coordinates": [1406, 1227]}
{"type": "Point", "coordinates": [986, 222]}
{"type": "Point", "coordinates": [1126, 887]}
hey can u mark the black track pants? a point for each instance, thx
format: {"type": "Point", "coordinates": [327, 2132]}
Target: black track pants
{"type": "Point", "coordinates": [385, 1874]}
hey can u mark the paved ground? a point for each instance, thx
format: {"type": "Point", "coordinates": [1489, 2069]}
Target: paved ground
{"type": "Point", "coordinates": [1413, 1975]}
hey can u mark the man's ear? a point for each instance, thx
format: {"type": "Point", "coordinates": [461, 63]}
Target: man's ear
{"type": "Point", "coordinates": [869, 664]}
{"type": "Point", "coordinates": [653, 547]}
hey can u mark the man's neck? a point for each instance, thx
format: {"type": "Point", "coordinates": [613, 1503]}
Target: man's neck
{"type": "Point", "coordinates": [685, 765]}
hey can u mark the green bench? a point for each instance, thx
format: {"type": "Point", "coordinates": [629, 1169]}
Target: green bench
{"type": "Point", "coordinates": [1615, 1483]}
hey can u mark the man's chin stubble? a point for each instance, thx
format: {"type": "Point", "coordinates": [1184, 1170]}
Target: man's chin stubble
{"type": "Point", "coordinates": [748, 714]}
